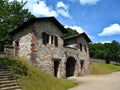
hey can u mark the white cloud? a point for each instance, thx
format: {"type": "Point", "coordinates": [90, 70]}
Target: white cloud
{"type": "Point", "coordinates": [105, 42]}
{"type": "Point", "coordinates": [77, 28]}
{"type": "Point", "coordinates": [113, 29]}
{"type": "Point", "coordinates": [90, 2]}
{"type": "Point", "coordinates": [41, 9]}
{"type": "Point", "coordinates": [63, 9]}
{"type": "Point", "coordinates": [102, 42]}
{"type": "Point", "coordinates": [62, 5]}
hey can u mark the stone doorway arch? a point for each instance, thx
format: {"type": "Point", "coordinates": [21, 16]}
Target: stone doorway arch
{"type": "Point", "coordinates": [70, 66]}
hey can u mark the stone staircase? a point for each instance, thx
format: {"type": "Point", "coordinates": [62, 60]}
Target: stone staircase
{"type": "Point", "coordinates": [7, 82]}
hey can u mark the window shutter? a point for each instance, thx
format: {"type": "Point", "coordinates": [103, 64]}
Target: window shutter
{"type": "Point", "coordinates": [47, 38]}
{"type": "Point", "coordinates": [44, 36]}
{"type": "Point", "coordinates": [80, 47]}
{"type": "Point", "coordinates": [56, 41]}
{"type": "Point", "coordinates": [52, 37]}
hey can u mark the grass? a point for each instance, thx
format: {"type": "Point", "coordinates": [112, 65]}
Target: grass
{"type": "Point", "coordinates": [102, 68]}
{"type": "Point", "coordinates": [34, 79]}
{"type": "Point", "coordinates": [38, 80]}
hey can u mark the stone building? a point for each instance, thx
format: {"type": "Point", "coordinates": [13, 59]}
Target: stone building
{"type": "Point", "coordinates": [40, 40]}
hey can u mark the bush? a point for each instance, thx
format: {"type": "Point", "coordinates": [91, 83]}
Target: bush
{"type": "Point", "coordinates": [17, 67]}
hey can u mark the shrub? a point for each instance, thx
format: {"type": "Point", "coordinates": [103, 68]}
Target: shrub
{"type": "Point", "coordinates": [16, 66]}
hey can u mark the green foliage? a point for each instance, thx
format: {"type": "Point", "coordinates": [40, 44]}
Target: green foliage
{"type": "Point", "coordinates": [71, 32]}
{"type": "Point", "coordinates": [101, 68]}
{"type": "Point", "coordinates": [12, 15]}
{"type": "Point", "coordinates": [108, 51]}
{"type": "Point", "coordinates": [17, 67]}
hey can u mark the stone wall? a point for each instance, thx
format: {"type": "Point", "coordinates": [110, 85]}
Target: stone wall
{"type": "Point", "coordinates": [46, 54]}
{"type": "Point", "coordinates": [2, 55]}
{"type": "Point", "coordinates": [74, 44]}
{"type": "Point", "coordinates": [9, 50]}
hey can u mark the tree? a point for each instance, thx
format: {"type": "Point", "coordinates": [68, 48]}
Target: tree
{"type": "Point", "coordinates": [96, 50]}
{"type": "Point", "coordinates": [12, 15]}
{"type": "Point", "coordinates": [115, 50]}
{"type": "Point", "coordinates": [71, 32]}
{"type": "Point", "coordinates": [107, 51]}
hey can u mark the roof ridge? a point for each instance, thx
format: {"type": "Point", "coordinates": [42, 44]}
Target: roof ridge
{"type": "Point", "coordinates": [32, 20]}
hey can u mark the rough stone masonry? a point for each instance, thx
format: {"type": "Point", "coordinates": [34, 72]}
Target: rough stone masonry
{"type": "Point", "coordinates": [41, 42]}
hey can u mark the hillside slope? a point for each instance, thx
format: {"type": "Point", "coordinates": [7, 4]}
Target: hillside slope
{"type": "Point", "coordinates": [102, 68]}
{"type": "Point", "coordinates": [30, 78]}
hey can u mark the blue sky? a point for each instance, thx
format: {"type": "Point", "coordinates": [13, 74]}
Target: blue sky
{"type": "Point", "coordinates": [100, 19]}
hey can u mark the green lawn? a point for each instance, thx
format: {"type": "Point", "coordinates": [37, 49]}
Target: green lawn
{"type": "Point", "coordinates": [34, 79]}
{"type": "Point", "coordinates": [38, 80]}
{"type": "Point", "coordinates": [102, 68]}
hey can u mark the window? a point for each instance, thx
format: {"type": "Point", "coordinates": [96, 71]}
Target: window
{"type": "Point", "coordinates": [45, 38]}
{"type": "Point", "coordinates": [80, 47]}
{"type": "Point", "coordinates": [56, 41]}
{"type": "Point", "coordinates": [50, 39]}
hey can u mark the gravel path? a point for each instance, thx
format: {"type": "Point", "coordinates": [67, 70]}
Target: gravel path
{"type": "Point", "coordinates": [98, 82]}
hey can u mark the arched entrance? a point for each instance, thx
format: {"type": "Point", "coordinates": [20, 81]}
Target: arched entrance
{"type": "Point", "coordinates": [70, 66]}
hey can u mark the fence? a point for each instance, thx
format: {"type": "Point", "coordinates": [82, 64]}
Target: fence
{"type": "Point", "coordinates": [97, 60]}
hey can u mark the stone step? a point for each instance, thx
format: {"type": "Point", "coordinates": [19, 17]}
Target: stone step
{"type": "Point", "coordinates": [3, 68]}
{"type": "Point", "coordinates": [4, 79]}
{"type": "Point", "coordinates": [5, 76]}
{"type": "Point", "coordinates": [11, 88]}
{"type": "Point", "coordinates": [4, 71]}
{"type": "Point", "coordinates": [8, 85]}
{"type": "Point", "coordinates": [8, 81]}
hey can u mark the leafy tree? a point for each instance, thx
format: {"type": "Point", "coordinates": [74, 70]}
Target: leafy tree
{"type": "Point", "coordinates": [107, 51]}
{"type": "Point", "coordinates": [71, 32]}
{"type": "Point", "coordinates": [96, 50]}
{"type": "Point", "coordinates": [12, 15]}
{"type": "Point", "coordinates": [115, 50]}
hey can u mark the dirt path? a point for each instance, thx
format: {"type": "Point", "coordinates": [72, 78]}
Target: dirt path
{"type": "Point", "coordinates": [98, 82]}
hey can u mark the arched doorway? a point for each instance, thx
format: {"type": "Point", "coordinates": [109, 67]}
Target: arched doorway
{"type": "Point", "coordinates": [70, 66]}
